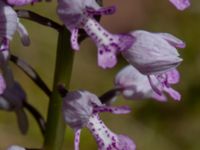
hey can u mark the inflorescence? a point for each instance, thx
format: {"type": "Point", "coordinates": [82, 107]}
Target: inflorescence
{"type": "Point", "coordinates": [153, 60]}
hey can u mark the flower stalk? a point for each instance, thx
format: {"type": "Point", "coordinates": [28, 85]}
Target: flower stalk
{"type": "Point", "coordinates": [55, 124]}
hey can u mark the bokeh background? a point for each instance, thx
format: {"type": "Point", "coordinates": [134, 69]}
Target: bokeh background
{"type": "Point", "coordinates": [152, 125]}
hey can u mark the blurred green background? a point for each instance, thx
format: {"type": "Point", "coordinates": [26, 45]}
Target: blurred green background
{"type": "Point", "coordinates": [152, 125]}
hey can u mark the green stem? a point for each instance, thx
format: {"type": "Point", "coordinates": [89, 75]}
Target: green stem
{"type": "Point", "coordinates": [55, 131]}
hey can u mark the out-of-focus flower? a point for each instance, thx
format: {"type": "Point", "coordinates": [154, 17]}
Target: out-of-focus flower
{"type": "Point", "coordinates": [15, 147]}
{"type": "Point", "coordinates": [180, 4]}
{"type": "Point", "coordinates": [135, 85]}
{"type": "Point", "coordinates": [21, 2]}
{"type": "Point", "coordinates": [9, 23]}
{"type": "Point", "coordinates": [12, 98]}
{"type": "Point", "coordinates": [81, 109]}
{"type": "Point", "coordinates": [153, 53]}
{"type": "Point", "coordinates": [77, 14]}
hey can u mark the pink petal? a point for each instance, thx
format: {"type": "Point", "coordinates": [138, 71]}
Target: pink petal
{"type": "Point", "coordinates": [77, 139]}
{"type": "Point", "coordinates": [106, 58]}
{"type": "Point", "coordinates": [174, 41]}
{"type": "Point", "coordinates": [102, 11]}
{"type": "Point", "coordinates": [180, 4]}
{"type": "Point", "coordinates": [112, 109]}
{"type": "Point", "coordinates": [161, 98]}
{"type": "Point", "coordinates": [125, 143]}
{"type": "Point", "coordinates": [173, 76]}
{"type": "Point", "coordinates": [74, 39]}
{"type": "Point", "coordinates": [154, 86]}
{"type": "Point", "coordinates": [173, 93]}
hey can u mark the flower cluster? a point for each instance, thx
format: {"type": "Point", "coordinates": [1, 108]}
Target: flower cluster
{"type": "Point", "coordinates": [81, 16]}
{"type": "Point", "coordinates": [153, 59]}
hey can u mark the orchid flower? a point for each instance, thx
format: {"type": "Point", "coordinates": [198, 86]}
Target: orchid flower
{"type": "Point", "coordinates": [180, 4]}
{"type": "Point", "coordinates": [135, 85]}
{"type": "Point", "coordinates": [9, 23]}
{"type": "Point", "coordinates": [12, 98]}
{"type": "Point", "coordinates": [153, 53]}
{"type": "Point", "coordinates": [78, 14]}
{"type": "Point", "coordinates": [82, 108]}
